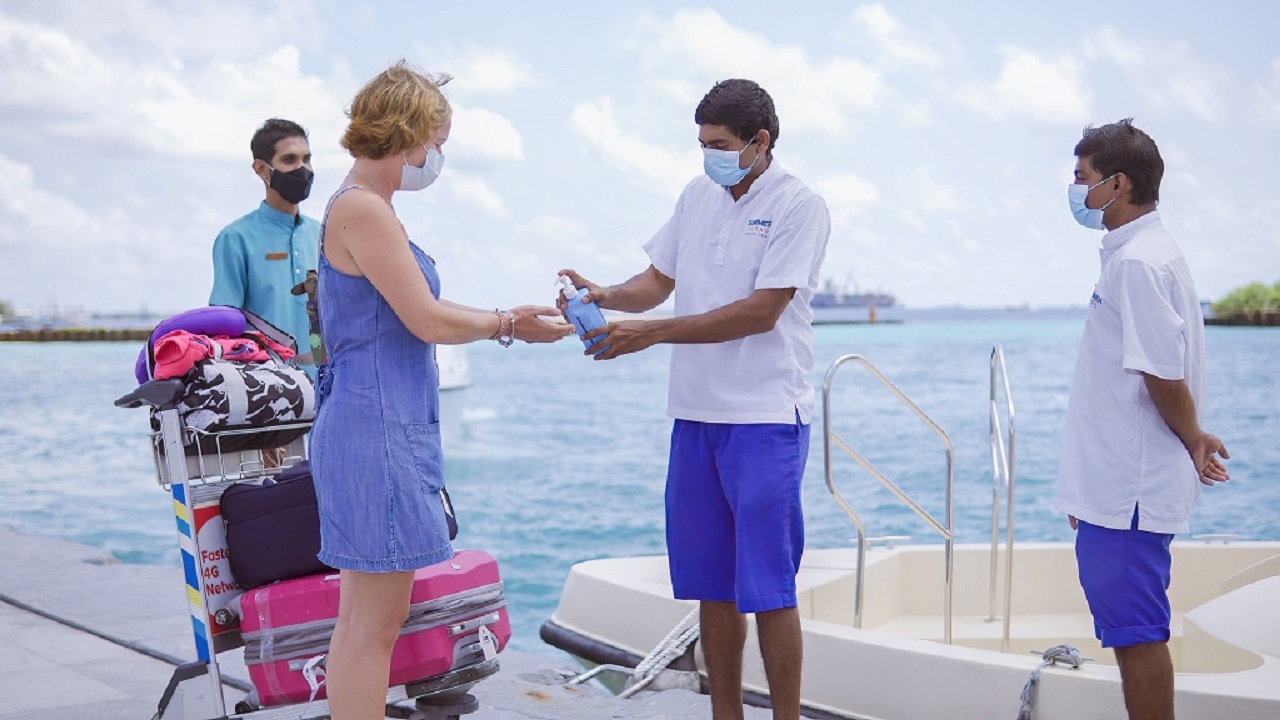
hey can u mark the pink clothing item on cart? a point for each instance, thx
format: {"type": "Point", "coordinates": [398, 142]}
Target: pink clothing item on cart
{"type": "Point", "coordinates": [179, 351]}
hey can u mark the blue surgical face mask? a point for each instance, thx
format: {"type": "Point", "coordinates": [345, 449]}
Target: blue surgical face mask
{"type": "Point", "coordinates": [723, 166]}
{"type": "Point", "coordinates": [1086, 216]}
{"type": "Point", "coordinates": [414, 178]}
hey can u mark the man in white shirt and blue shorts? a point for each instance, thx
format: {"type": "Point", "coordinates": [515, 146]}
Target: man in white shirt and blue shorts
{"type": "Point", "coordinates": [1133, 453]}
{"type": "Point", "coordinates": [742, 251]}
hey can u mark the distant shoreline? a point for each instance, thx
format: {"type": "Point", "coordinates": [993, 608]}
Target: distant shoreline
{"type": "Point", "coordinates": [888, 316]}
{"type": "Point", "coordinates": [1271, 319]}
{"type": "Point", "coordinates": [75, 335]}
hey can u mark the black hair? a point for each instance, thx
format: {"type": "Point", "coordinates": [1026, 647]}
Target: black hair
{"type": "Point", "coordinates": [263, 144]}
{"type": "Point", "coordinates": [1122, 148]}
{"type": "Point", "coordinates": [743, 107]}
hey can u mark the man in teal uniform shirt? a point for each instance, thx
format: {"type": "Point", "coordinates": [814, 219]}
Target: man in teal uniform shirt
{"type": "Point", "coordinates": [260, 257]}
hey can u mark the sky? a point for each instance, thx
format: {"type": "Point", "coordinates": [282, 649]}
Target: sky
{"type": "Point", "coordinates": [940, 135]}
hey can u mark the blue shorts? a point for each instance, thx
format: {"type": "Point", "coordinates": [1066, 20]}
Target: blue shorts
{"type": "Point", "coordinates": [735, 528]}
{"type": "Point", "coordinates": [1125, 576]}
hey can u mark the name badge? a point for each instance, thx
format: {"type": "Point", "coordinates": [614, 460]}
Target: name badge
{"type": "Point", "coordinates": [278, 256]}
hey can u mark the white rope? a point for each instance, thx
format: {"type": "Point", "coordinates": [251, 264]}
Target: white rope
{"type": "Point", "coordinates": [680, 634]}
{"type": "Point", "coordinates": [672, 646]}
{"type": "Point", "coordinates": [1064, 653]}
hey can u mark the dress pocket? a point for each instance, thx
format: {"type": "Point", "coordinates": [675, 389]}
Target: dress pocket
{"type": "Point", "coordinates": [428, 457]}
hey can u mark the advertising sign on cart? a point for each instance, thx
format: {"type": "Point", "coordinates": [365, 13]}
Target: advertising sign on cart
{"type": "Point", "coordinates": [219, 586]}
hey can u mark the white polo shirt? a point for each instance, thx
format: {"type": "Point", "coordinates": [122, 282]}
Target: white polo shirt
{"type": "Point", "coordinates": [1117, 451]}
{"type": "Point", "coordinates": [719, 251]}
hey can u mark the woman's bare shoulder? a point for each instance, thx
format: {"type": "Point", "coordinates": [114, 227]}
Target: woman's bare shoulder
{"type": "Point", "coordinates": [358, 201]}
{"type": "Point", "coordinates": [363, 210]}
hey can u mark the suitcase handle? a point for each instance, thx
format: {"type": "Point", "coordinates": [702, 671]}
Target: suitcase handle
{"type": "Point", "coordinates": [463, 628]}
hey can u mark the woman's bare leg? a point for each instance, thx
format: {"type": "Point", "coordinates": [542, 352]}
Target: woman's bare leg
{"type": "Point", "coordinates": [370, 613]}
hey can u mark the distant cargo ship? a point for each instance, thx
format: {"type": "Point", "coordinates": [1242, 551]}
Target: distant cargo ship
{"type": "Point", "coordinates": [832, 295]}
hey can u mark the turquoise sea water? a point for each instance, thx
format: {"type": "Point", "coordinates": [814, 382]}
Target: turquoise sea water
{"type": "Point", "coordinates": [561, 459]}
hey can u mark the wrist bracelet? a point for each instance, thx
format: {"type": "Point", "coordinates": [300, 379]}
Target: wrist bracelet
{"type": "Point", "coordinates": [506, 328]}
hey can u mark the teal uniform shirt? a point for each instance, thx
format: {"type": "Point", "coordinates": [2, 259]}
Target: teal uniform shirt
{"type": "Point", "coordinates": [256, 262]}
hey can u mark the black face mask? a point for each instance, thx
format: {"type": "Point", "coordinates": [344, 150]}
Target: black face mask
{"type": "Point", "coordinates": [294, 186]}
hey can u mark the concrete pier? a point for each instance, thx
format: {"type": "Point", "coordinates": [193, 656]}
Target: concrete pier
{"type": "Point", "coordinates": [85, 636]}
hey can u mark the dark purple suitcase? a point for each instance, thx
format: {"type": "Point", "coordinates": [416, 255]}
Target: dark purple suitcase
{"type": "Point", "coordinates": [273, 529]}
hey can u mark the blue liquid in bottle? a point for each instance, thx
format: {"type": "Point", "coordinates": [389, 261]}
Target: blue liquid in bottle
{"type": "Point", "coordinates": [584, 316]}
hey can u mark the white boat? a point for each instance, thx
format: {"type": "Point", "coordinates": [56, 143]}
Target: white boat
{"type": "Point", "coordinates": [455, 376]}
{"type": "Point", "coordinates": [455, 370]}
{"type": "Point", "coordinates": [915, 632]}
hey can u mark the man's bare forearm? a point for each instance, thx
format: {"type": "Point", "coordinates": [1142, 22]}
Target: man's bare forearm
{"type": "Point", "coordinates": [643, 292]}
{"type": "Point", "coordinates": [752, 315]}
{"type": "Point", "coordinates": [1176, 405]}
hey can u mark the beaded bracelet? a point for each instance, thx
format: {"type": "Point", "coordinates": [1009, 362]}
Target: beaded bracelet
{"type": "Point", "coordinates": [506, 333]}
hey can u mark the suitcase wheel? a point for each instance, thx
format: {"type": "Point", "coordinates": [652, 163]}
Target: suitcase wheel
{"type": "Point", "coordinates": [445, 708]}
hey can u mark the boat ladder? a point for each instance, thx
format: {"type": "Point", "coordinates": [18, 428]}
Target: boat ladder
{"type": "Point", "coordinates": [945, 530]}
{"type": "Point", "coordinates": [1001, 477]}
{"type": "Point", "coordinates": [647, 670]}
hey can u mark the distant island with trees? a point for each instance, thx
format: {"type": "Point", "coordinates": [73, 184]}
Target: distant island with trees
{"type": "Point", "coordinates": [1255, 304]}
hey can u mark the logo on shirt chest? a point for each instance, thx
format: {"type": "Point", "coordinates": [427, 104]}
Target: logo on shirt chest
{"type": "Point", "coordinates": [758, 228]}
{"type": "Point", "coordinates": [1096, 300]}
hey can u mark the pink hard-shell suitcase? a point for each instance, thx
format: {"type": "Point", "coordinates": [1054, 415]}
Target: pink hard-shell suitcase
{"type": "Point", "coordinates": [457, 617]}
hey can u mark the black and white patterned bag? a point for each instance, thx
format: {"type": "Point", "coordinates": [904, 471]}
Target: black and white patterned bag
{"type": "Point", "coordinates": [222, 395]}
{"type": "Point", "coordinates": [225, 395]}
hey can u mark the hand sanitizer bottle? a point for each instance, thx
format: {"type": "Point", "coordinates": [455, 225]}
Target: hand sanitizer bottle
{"type": "Point", "coordinates": [584, 316]}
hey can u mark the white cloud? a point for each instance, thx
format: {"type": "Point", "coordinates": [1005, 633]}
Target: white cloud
{"type": "Point", "coordinates": [892, 41]}
{"type": "Point", "coordinates": [213, 111]}
{"type": "Point", "coordinates": [846, 195]}
{"type": "Point", "coordinates": [696, 48]}
{"type": "Point", "coordinates": [915, 112]}
{"type": "Point", "coordinates": [193, 106]}
{"type": "Point", "coordinates": [1269, 94]}
{"type": "Point", "coordinates": [56, 251]}
{"type": "Point", "coordinates": [474, 191]}
{"type": "Point", "coordinates": [28, 205]}
{"type": "Point", "coordinates": [570, 242]}
{"type": "Point", "coordinates": [668, 170]}
{"type": "Point", "coordinates": [487, 71]}
{"type": "Point", "coordinates": [558, 228]}
{"type": "Point", "coordinates": [228, 31]}
{"type": "Point", "coordinates": [485, 134]}
{"type": "Point", "coordinates": [167, 105]}
{"type": "Point", "coordinates": [927, 194]}
{"type": "Point", "coordinates": [42, 67]}
{"type": "Point", "coordinates": [1165, 74]}
{"type": "Point", "coordinates": [1034, 88]}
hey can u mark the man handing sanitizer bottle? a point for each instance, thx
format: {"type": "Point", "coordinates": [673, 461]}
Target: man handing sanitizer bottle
{"type": "Point", "coordinates": [584, 316]}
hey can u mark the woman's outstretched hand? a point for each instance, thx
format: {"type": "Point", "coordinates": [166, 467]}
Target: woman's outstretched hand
{"type": "Point", "coordinates": [532, 328]}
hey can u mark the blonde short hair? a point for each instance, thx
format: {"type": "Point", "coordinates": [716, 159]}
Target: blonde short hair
{"type": "Point", "coordinates": [396, 111]}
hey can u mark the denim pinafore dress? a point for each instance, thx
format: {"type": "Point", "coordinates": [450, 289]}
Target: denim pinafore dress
{"type": "Point", "coordinates": [375, 445]}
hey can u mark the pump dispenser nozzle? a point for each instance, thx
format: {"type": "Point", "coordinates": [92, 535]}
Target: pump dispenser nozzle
{"type": "Point", "coordinates": [566, 287]}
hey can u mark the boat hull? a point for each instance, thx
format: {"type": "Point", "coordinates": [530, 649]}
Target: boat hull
{"type": "Point", "coordinates": [1226, 633]}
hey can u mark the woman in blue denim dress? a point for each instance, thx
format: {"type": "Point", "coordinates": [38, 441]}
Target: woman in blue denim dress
{"type": "Point", "coordinates": [376, 454]}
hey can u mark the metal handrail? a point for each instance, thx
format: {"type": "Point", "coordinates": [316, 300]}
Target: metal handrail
{"type": "Point", "coordinates": [1001, 475]}
{"type": "Point", "coordinates": [946, 532]}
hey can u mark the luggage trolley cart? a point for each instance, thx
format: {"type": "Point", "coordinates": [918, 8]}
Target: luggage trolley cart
{"type": "Point", "coordinates": [195, 473]}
